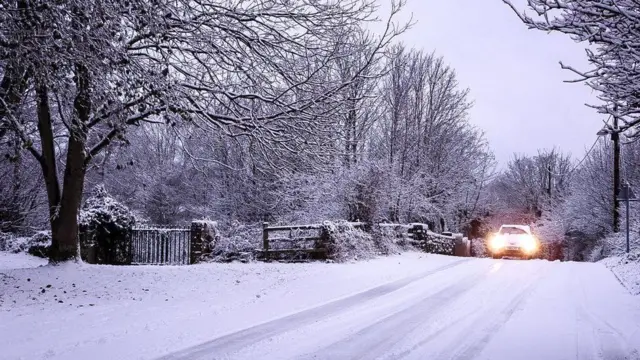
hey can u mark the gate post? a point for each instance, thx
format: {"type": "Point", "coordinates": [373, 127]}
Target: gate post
{"type": "Point", "coordinates": [196, 242]}
{"type": "Point", "coordinates": [203, 238]}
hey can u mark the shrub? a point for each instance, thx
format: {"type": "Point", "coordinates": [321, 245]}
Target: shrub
{"type": "Point", "coordinates": [235, 242]}
{"type": "Point", "coordinates": [106, 225]}
{"type": "Point", "coordinates": [345, 242]}
{"type": "Point", "coordinates": [5, 239]}
{"type": "Point", "coordinates": [390, 240]}
{"type": "Point", "coordinates": [39, 244]}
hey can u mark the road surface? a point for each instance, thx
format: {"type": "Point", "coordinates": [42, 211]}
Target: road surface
{"type": "Point", "coordinates": [470, 309]}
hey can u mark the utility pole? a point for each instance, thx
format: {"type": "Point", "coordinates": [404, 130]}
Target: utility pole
{"type": "Point", "coordinates": [549, 185]}
{"type": "Point", "coordinates": [615, 137]}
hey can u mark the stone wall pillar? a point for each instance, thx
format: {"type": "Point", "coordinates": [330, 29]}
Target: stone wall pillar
{"type": "Point", "coordinates": [203, 239]}
{"type": "Point", "coordinates": [195, 252]}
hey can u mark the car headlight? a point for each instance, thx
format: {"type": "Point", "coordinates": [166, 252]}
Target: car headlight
{"type": "Point", "coordinates": [496, 243]}
{"type": "Point", "coordinates": [530, 244]}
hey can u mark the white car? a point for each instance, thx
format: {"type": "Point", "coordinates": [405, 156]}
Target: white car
{"type": "Point", "coordinates": [514, 241]}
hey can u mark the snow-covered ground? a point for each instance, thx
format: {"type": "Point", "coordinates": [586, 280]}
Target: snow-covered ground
{"type": "Point", "coordinates": [627, 270]}
{"type": "Point", "coordinates": [80, 311]}
{"type": "Point", "coordinates": [410, 306]}
{"type": "Point", "coordinates": [10, 261]}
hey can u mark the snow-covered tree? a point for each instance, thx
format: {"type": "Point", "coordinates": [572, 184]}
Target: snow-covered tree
{"type": "Point", "coordinates": [609, 28]}
{"type": "Point", "coordinates": [255, 70]}
{"type": "Point", "coordinates": [532, 184]}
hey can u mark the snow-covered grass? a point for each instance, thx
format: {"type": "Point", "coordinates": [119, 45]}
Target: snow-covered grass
{"type": "Point", "coordinates": [80, 311]}
{"type": "Point", "coordinates": [10, 261]}
{"type": "Point", "coordinates": [627, 270]}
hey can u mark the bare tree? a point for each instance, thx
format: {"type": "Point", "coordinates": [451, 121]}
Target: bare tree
{"type": "Point", "coordinates": [531, 185]}
{"type": "Point", "coordinates": [427, 141]}
{"type": "Point", "coordinates": [609, 26]}
{"type": "Point", "coordinates": [244, 68]}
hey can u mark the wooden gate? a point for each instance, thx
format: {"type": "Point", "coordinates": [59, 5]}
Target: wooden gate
{"type": "Point", "coordinates": [157, 246]}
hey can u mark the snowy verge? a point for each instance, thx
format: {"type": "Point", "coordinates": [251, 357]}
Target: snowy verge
{"type": "Point", "coordinates": [81, 311]}
{"type": "Point", "coordinates": [9, 261]}
{"type": "Point", "coordinates": [627, 269]}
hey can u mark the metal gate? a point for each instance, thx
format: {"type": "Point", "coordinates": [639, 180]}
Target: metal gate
{"type": "Point", "coordinates": [157, 246]}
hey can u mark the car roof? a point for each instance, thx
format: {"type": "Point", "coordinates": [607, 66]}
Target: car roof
{"type": "Point", "coordinates": [526, 228]}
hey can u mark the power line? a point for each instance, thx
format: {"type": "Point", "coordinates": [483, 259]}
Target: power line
{"type": "Point", "coordinates": [579, 163]}
{"type": "Point", "coordinates": [590, 149]}
{"type": "Point", "coordinates": [585, 156]}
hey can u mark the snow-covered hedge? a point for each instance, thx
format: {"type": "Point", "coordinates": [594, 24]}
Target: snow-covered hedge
{"type": "Point", "coordinates": [102, 210]}
{"type": "Point", "coordinates": [345, 242]}
{"type": "Point", "coordinates": [390, 240]}
{"type": "Point", "coordinates": [4, 240]}
{"type": "Point", "coordinates": [37, 245]}
{"type": "Point", "coordinates": [106, 225]}
{"type": "Point", "coordinates": [236, 242]}
{"type": "Point", "coordinates": [614, 244]}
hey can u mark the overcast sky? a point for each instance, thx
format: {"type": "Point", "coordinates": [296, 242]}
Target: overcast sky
{"type": "Point", "coordinates": [521, 101]}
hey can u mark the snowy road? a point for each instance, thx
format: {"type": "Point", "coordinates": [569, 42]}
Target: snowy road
{"type": "Point", "coordinates": [469, 309]}
{"type": "Point", "coordinates": [408, 306]}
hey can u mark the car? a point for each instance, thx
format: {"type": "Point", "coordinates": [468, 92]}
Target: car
{"type": "Point", "coordinates": [514, 241]}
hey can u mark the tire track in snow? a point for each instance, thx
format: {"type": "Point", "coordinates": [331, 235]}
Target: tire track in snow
{"type": "Point", "coordinates": [219, 347]}
{"type": "Point", "coordinates": [373, 340]}
{"type": "Point", "coordinates": [485, 325]}
{"type": "Point", "coordinates": [610, 343]}
{"type": "Point", "coordinates": [475, 347]}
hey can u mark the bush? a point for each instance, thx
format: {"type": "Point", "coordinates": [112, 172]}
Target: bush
{"type": "Point", "coordinates": [40, 244]}
{"type": "Point", "coordinates": [5, 239]}
{"type": "Point", "coordinates": [235, 242]}
{"type": "Point", "coordinates": [345, 242]}
{"type": "Point", "coordinates": [390, 240]}
{"type": "Point", "coordinates": [106, 225]}
{"type": "Point", "coordinates": [36, 245]}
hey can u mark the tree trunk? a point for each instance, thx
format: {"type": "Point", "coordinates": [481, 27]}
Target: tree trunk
{"type": "Point", "coordinates": [48, 158]}
{"type": "Point", "coordinates": [65, 228]}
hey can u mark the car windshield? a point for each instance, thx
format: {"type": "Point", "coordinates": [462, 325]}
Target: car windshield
{"type": "Point", "coordinates": [512, 231]}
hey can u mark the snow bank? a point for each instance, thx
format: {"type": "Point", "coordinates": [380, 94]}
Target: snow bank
{"type": "Point", "coordinates": [627, 270]}
{"type": "Point", "coordinates": [81, 311]}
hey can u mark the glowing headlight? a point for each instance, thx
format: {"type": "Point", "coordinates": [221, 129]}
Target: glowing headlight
{"type": "Point", "coordinates": [530, 244]}
{"type": "Point", "coordinates": [496, 243]}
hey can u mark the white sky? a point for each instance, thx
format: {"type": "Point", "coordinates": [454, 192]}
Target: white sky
{"type": "Point", "coordinates": [521, 101]}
